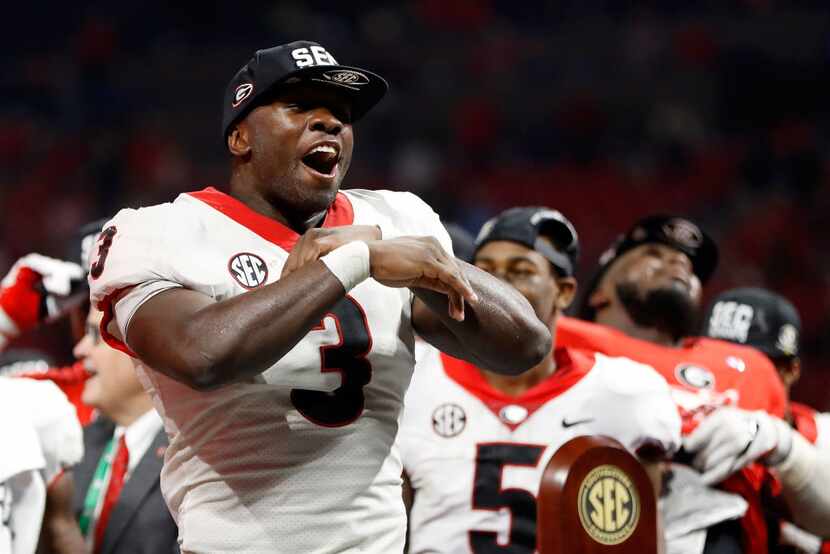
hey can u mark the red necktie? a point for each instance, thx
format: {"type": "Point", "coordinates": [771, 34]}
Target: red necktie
{"type": "Point", "coordinates": [119, 469]}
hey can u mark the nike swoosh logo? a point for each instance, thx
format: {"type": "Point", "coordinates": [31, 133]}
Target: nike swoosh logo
{"type": "Point", "coordinates": [566, 424]}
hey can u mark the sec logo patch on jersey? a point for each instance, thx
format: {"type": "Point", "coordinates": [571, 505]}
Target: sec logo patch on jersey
{"type": "Point", "coordinates": [249, 270]}
{"type": "Point", "coordinates": [449, 420]}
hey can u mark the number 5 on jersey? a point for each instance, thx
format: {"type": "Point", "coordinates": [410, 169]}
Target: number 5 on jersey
{"type": "Point", "coordinates": [348, 357]}
{"type": "Point", "coordinates": [489, 493]}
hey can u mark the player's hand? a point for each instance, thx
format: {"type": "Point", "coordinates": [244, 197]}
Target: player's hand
{"type": "Point", "coordinates": [729, 439]}
{"type": "Point", "coordinates": [421, 262]}
{"type": "Point", "coordinates": [28, 287]}
{"type": "Point", "coordinates": [315, 243]}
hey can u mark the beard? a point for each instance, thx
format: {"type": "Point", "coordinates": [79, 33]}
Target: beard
{"type": "Point", "coordinates": [301, 205]}
{"type": "Point", "coordinates": [668, 309]}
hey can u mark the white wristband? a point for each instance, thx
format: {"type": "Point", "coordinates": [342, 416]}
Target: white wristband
{"type": "Point", "coordinates": [349, 263]}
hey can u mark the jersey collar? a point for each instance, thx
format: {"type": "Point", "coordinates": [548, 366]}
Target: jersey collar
{"type": "Point", "coordinates": [571, 367]}
{"type": "Point", "coordinates": [339, 213]}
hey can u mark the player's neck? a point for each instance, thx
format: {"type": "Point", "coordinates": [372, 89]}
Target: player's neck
{"type": "Point", "coordinates": [245, 192]}
{"type": "Point", "coordinates": [518, 385]}
{"type": "Point", "coordinates": [618, 318]}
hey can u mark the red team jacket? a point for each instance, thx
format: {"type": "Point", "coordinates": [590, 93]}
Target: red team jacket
{"type": "Point", "coordinates": [704, 374]}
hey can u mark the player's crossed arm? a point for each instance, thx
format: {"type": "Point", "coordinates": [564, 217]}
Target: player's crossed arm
{"type": "Point", "coordinates": [499, 332]}
{"type": "Point", "coordinates": [203, 343]}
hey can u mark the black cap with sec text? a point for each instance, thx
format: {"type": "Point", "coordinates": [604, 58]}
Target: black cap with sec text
{"type": "Point", "coordinates": [292, 63]}
{"type": "Point", "coordinates": [525, 225]}
{"type": "Point", "coordinates": [755, 317]}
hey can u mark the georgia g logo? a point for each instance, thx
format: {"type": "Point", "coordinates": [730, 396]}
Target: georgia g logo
{"type": "Point", "coordinates": [695, 376]}
{"type": "Point", "coordinates": [249, 270]}
{"type": "Point", "coordinates": [242, 92]}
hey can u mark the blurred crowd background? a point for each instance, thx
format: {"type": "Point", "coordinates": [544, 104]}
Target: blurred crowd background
{"type": "Point", "coordinates": [606, 110]}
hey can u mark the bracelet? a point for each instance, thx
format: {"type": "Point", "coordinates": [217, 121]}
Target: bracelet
{"type": "Point", "coordinates": [349, 263]}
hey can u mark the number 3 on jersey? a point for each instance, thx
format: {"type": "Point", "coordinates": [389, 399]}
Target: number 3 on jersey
{"type": "Point", "coordinates": [348, 357]}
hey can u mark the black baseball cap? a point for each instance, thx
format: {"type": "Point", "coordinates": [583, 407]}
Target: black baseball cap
{"type": "Point", "coordinates": [292, 63]}
{"type": "Point", "coordinates": [526, 225]}
{"type": "Point", "coordinates": [83, 243]}
{"type": "Point", "coordinates": [675, 231]}
{"type": "Point", "coordinates": [80, 249]}
{"type": "Point", "coordinates": [755, 317]}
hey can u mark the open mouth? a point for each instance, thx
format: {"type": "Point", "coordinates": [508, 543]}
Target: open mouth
{"type": "Point", "coordinates": [322, 159]}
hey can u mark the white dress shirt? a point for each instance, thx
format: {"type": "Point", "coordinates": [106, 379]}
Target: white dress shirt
{"type": "Point", "coordinates": [139, 436]}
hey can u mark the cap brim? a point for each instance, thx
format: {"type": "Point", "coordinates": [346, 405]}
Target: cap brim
{"type": "Point", "coordinates": [560, 261]}
{"type": "Point", "coordinates": [363, 87]}
{"type": "Point", "coordinates": [559, 233]}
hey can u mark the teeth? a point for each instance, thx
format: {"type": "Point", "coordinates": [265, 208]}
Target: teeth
{"type": "Point", "coordinates": [323, 148]}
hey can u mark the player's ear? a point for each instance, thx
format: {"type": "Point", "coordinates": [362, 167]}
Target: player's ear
{"type": "Point", "coordinates": [238, 140]}
{"type": "Point", "coordinates": [567, 292]}
{"type": "Point", "coordinates": [792, 373]}
{"type": "Point", "coordinates": [598, 299]}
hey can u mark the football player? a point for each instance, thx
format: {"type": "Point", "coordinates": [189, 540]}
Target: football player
{"type": "Point", "coordinates": [474, 443]}
{"type": "Point", "coordinates": [770, 323]}
{"type": "Point", "coordinates": [646, 296]}
{"type": "Point", "coordinates": [279, 320]}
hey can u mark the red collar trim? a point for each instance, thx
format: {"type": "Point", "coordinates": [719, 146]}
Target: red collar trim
{"type": "Point", "coordinates": [339, 213]}
{"type": "Point", "coordinates": [571, 367]}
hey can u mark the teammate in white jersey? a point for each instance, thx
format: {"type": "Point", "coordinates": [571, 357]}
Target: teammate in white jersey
{"type": "Point", "coordinates": [41, 437]}
{"type": "Point", "coordinates": [474, 444]}
{"type": "Point", "coordinates": [279, 321]}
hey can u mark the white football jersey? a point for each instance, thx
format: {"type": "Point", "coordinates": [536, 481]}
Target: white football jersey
{"type": "Point", "coordinates": [41, 436]}
{"type": "Point", "coordinates": [475, 455]}
{"type": "Point", "coordinates": [300, 458]}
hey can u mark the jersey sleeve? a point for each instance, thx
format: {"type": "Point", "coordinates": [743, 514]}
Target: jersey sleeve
{"type": "Point", "coordinates": [406, 215]}
{"type": "Point", "coordinates": [132, 263]}
{"type": "Point", "coordinates": [634, 406]}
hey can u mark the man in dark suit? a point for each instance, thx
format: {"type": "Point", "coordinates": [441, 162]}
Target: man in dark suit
{"type": "Point", "coordinates": [117, 497]}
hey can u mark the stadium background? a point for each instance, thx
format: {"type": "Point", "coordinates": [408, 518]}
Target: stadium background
{"type": "Point", "coordinates": [606, 111]}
